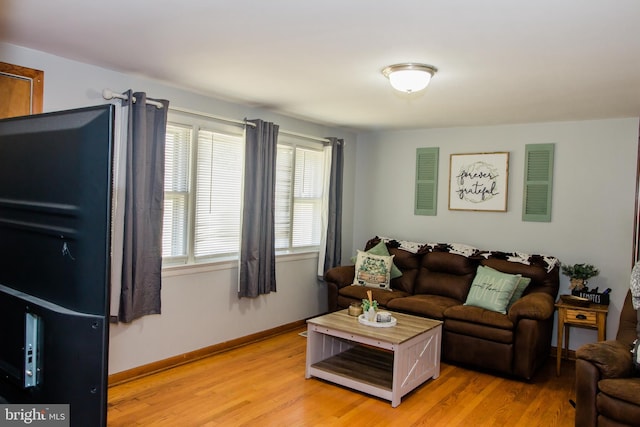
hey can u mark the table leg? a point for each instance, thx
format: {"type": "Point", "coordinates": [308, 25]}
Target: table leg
{"type": "Point", "coordinates": [567, 332]}
{"type": "Point", "coordinates": [559, 343]}
{"type": "Point", "coordinates": [601, 319]}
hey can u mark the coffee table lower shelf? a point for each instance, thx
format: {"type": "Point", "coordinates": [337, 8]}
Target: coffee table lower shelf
{"type": "Point", "coordinates": [368, 367]}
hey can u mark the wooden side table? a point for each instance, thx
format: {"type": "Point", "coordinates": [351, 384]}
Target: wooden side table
{"type": "Point", "coordinates": [593, 316]}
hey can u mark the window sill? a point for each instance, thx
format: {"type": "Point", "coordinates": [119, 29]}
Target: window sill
{"type": "Point", "coordinates": [231, 263]}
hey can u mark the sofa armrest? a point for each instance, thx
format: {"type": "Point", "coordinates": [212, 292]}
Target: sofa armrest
{"type": "Point", "coordinates": [612, 358]}
{"type": "Point", "coordinates": [341, 276]}
{"type": "Point", "coordinates": [536, 306]}
{"type": "Point", "coordinates": [336, 278]}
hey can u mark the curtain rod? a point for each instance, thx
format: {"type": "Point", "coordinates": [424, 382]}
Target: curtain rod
{"type": "Point", "coordinates": [109, 94]}
{"type": "Point", "coordinates": [243, 123]}
{"type": "Point", "coordinates": [302, 135]}
{"type": "Point", "coordinates": [212, 116]}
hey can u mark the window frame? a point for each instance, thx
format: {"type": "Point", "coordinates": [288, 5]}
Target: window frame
{"type": "Point", "coordinates": [197, 123]}
{"type": "Point", "coordinates": [189, 193]}
{"type": "Point", "coordinates": [304, 143]}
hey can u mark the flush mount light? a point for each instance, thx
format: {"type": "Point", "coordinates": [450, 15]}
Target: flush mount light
{"type": "Point", "coordinates": [409, 77]}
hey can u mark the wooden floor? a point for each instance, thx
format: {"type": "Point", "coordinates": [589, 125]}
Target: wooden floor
{"type": "Point", "coordinates": [263, 385]}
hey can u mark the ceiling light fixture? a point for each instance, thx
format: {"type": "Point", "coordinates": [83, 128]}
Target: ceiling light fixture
{"type": "Point", "coordinates": [409, 77]}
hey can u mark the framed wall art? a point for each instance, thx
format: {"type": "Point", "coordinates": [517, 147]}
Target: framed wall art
{"type": "Point", "coordinates": [478, 181]}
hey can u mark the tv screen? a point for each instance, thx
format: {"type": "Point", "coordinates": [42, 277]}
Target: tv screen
{"type": "Point", "coordinates": [55, 217]}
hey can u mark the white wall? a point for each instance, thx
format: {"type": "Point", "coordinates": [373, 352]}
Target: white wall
{"type": "Point", "coordinates": [199, 307]}
{"type": "Point", "coordinates": [592, 210]}
{"type": "Point", "coordinates": [593, 196]}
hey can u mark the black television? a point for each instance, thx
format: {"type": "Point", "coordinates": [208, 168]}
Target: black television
{"type": "Point", "coordinates": [55, 229]}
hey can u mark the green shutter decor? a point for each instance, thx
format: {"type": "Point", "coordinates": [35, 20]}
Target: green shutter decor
{"type": "Point", "coordinates": [538, 182]}
{"type": "Point", "coordinates": [426, 181]}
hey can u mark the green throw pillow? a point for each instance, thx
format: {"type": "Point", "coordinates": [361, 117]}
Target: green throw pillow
{"type": "Point", "coordinates": [492, 290]}
{"type": "Point", "coordinates": [381, 249]}
{"type": "Point", "coordinates": [520, 287]}
{"type": "Point", "coordinates": [373, 270]}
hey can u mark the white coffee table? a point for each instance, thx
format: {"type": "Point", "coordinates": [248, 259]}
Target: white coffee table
{"type": "Point", "coordinates": [383, 362]}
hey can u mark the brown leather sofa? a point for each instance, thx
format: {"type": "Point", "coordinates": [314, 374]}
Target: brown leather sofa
{"type": "Point", "coordinates": [435, 283]}
{"type": "Point", "coordinates": [606, 392]}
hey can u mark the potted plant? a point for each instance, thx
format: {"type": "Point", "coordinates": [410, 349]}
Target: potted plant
{"type": "Point", "coordinates": [369, 307]}
{"type": "Point", "coordinates": [579, 274]}
{"type": "Point", "coordinates": [366, 304]}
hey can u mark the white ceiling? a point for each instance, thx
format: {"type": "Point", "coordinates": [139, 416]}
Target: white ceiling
{"type": "Point", "coordinates": [499, 61]}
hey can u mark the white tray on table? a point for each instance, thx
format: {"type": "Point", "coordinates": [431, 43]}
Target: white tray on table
{"type": "Point", "coordinates": [362, 319]}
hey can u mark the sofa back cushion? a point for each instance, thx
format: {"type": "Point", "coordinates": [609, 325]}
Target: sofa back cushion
{"type": "Point", "coordinates": [629, 319]}
{"type": "Point", "coordinates": [409, 264]}
{"type": "Point", "coordinates": [541, 279]}
{"type": "Point", "coordinates": [445, 274]}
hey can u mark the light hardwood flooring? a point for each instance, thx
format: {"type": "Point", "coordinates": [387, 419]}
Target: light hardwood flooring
{"type": "Point", "coordinates": [263, 385]}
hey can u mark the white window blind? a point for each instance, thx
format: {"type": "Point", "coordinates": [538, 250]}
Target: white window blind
{"type": "Point", "coordinates": [176, 187]}
{"type": "Point", "coordinates": [284, 191]}
{"type": "Point", "coordinates": [307, 198]}
{"type": "Point", "coordinates": [218, 194]}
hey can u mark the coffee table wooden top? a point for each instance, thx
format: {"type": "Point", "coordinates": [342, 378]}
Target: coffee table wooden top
{"type": "Point", "coordinates": [408, 326]}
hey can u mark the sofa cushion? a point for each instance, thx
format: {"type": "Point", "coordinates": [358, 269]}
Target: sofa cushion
{"type": "Point", "coordinates": [358, 292]}
{"type": "Point", "coordinates": [445, 274]}
{"type": "Point", "coordinates": [431, 306]}
{"type": "Point", "coordinates": [627, 389]}
{"type": "Point", "coordinates": [618, 402]}
{"type": "Point", "coordinates": [467, 313]}
{"type": "Point", "coordinates": [479, 331]}
{"type": "Point", "coordinates": [381, 249]}
{"type": "Point", "coordinates": [373, 270]}
{"type": "Point", "coordinates": [492, 289]}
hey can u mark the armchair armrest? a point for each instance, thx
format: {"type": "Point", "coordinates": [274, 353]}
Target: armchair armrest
{"type": "Point", "coordinates": [612, 358]}
{"type": "Point", "coordinates": [341, 276]}
{"type": "Point", "coordinates": [536, 306]}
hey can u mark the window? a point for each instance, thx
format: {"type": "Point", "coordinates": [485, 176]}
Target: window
{"type": "Point", "coordinates": [203, 192]}
{"type": "Point", "coordinates": [299, 196]}
{"type": "Point", "coordinates": [203, 179]}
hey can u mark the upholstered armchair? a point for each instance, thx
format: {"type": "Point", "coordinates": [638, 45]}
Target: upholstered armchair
{"type": "Point", "coordinates": [606, 392]}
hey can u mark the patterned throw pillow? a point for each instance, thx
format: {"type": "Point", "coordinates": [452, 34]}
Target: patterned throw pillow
{"type": "Point", "coordinates": [373, 270]}
{"type": "Point", "coordinates": [492, 289]}
{"type": "Point", "coordinates": [381, 249]}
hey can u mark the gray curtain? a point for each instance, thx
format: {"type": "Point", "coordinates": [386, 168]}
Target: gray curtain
{"type": "Point", "coordinates": [333, 249]}
{"type": "Point", "coordinates": [257, 270]}
{"type": "Point", "coordinates": [144, 202]}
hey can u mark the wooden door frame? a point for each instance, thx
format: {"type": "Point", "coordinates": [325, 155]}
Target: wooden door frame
{"type": "Point", "coordinates": [37, 82]}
